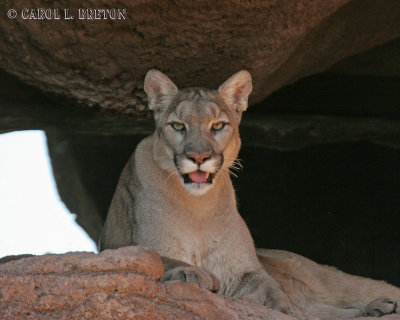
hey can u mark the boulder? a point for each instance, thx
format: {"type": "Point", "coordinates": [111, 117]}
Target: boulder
{"type": "Point", "coordinates": [103, 62]}
{"type": "Point", "coordinates": [115, 284]}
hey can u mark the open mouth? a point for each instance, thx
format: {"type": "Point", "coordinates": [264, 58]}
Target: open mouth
{"type": "Point", "coordinates": [198, 177]}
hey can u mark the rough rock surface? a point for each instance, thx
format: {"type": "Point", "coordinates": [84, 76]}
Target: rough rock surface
{"type": "Point", "coordinates": [103, 62]}
{"type": "Point", "coordinates": [116, 284]}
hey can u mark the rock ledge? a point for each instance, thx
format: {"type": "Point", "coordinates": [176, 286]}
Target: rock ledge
{"type": "Point", "coordinates": [115, 284]}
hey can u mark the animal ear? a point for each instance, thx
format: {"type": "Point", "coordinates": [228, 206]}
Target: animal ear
{"type": "Point", "coordinates": [158, 87]}
{"type": "Point", "coordinates": [236, 90]}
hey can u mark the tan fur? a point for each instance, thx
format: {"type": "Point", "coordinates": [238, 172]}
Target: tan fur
{"type": "Point", "coordinates": [326, 292]}
{"type": "Point", "coordinates": [198, 223]}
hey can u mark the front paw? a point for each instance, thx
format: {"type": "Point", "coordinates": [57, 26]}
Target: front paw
{"type": "Point", "coordinates": [203, 278]}
{"type": "Point", "coordinates": [380, 307]}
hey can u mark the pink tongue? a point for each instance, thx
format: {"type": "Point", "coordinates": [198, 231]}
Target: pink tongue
{"type": "Point", "coordinates": [198, 176]}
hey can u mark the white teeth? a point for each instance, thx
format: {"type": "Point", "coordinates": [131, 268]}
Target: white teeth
{"type": "Point", "coordinates": [207, 175]}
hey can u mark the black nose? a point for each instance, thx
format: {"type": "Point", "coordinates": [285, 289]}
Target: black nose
{"type": "Point", "coordinates": [198, 158]}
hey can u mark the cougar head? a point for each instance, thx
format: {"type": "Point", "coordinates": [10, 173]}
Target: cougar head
{"type": "Point", "coordinates": [197, 134]}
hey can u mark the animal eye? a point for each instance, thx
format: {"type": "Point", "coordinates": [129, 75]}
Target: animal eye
{"type": "Point", "coordinates": [218, 126]}
{"type": "Point", "coordinates": [178, 126]}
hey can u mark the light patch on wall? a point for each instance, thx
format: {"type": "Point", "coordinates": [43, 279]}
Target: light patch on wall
{"type": "Point", "coordinates": [32, 217]}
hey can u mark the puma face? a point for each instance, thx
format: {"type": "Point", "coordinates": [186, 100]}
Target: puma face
{"type": "Point", "coordinates": [197, 134]}
{"type": "Point", "coordinates": [200, 133]}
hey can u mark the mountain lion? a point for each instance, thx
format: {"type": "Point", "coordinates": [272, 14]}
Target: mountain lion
{"type": "Point", "coordinates": [176, 197]}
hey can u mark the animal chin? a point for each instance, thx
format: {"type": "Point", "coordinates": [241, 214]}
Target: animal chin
{"type": "Point", "coordinates": [198, 177]}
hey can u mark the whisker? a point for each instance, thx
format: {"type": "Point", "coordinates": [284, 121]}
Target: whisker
{"type": "Point", "coordinates": [229, 172]}
{"type": "Point", "coordinates": [232, 174]}
{"type": "Point", "coordinates": [238, 163]}
{"type": "Point", "coordinates": [236, 168]}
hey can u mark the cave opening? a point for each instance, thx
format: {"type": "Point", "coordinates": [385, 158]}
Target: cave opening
{"type": "Point", "coordinates": [34, 220]}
